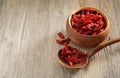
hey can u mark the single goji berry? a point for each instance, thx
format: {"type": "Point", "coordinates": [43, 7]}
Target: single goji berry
{"type": "Point", "coordinates": [61, 35]}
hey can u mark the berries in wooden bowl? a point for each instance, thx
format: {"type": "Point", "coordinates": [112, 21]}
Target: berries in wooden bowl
{"type": "Point", "coordinates": [87, 26]}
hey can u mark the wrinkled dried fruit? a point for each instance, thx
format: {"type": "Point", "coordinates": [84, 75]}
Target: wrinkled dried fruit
{"type": "Point", "coordinates": [61, 35]}
{"type": "Point", "coordinates": [63, 41]}
{"type": "Point", "coordinates": [88, 22]}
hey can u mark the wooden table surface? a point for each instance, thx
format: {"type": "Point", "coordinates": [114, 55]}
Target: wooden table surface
{"type": "Point", "coordinates": [28, 30]}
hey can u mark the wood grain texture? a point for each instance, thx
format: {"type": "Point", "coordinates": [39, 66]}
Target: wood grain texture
{"type": "Point", "coordinates": [28, 31]}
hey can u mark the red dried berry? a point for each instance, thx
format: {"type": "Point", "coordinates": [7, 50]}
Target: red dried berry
{"type": "Point", "coordinates": [67, 41]}
{"type": "Point", "coordinates": [61, 35]}
{"type": "Point", "coordinates": [70, 63]}
{"type": "Point", "coordinates": [61, 42]}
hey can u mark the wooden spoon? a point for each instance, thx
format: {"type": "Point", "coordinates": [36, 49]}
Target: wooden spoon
{"type": "Point", "coordinates": [89, 54]}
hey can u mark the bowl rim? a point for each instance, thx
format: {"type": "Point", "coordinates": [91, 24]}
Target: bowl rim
{"type": "Point", "coordinates": [99, 11]}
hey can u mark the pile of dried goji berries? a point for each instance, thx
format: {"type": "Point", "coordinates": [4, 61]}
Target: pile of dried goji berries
{"type": "Point", "coordinates": [69, 54]}
{"type": "Point", "coordinates": [88, 22]}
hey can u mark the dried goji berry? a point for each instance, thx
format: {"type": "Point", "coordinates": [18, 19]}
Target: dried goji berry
{"type": "Point", "coordinates": [61, 35]}
{"type": "Point", "coordinates": [61, 42]}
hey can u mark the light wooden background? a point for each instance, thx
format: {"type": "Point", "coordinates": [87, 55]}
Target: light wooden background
{"type": "Point", "coordinates": [28, 31]}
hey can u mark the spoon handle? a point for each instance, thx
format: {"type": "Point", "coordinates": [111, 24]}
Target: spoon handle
{"type": "Point", "coordinates": [101, 46]}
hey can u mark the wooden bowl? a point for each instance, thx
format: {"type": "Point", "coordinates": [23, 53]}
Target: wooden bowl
{"type": "Point", "coordinates": [86, 40]}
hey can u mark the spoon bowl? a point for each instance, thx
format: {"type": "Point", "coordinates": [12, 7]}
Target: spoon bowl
{"type": "Point", "coordinates": [89, 54]}
{"type": "Point", "coordinates": [79, 65]}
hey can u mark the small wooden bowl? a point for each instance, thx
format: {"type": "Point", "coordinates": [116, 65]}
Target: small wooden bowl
{"type": "Point", "coordinates": [86, 40]}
